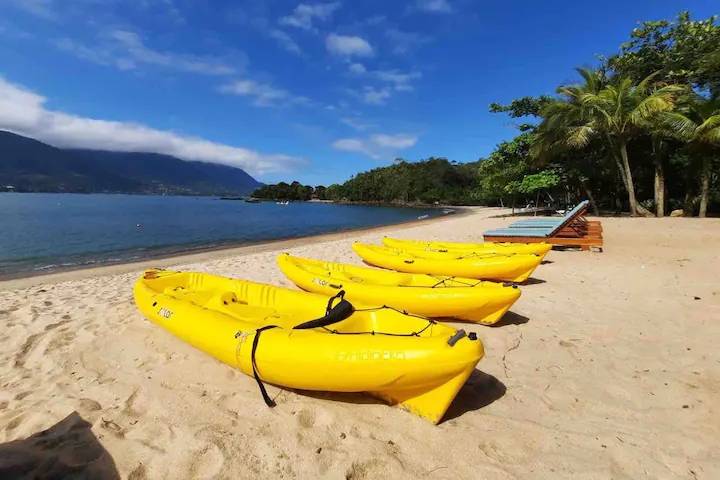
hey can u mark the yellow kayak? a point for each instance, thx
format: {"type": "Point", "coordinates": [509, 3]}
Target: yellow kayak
{"type": "Point", "coordinates": [427, 295]}
{"type": "Point", "coordinates": [510, 268]}
{"type": "Point", "coordinates": [310, 342]}
{"type": "Point", "coordinates": [488, 247]}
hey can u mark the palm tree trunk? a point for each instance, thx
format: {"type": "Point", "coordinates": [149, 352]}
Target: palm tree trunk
{"type": "Point", "coordinates": [659, 188]}
{"type": "Point", "coordinates": [689, 203]}
{"type": "Point", "coordinates": [590, 197]}
{"type": "Point", "coordinates": [628, 180]}
{"type": "Point", "coordinates": [704, 187]}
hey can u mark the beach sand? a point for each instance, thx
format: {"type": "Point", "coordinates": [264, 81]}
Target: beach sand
{"type": "Point", "coordinates": [607, 367]}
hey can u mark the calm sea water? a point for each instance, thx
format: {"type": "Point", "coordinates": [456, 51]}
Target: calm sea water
{"type": "Point", "coordinates": [41, 232]}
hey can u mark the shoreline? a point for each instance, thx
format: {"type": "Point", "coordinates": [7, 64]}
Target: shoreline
{"type": "Point", "coordinates": [619, 344]}
{"type": "Point", "coordinates": [33, 278]}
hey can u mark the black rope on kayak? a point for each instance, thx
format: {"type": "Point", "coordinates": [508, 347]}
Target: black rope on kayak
{"type": "Point", "coordinates": [482, 255]}
{"type": "Point", "coordinates": [387, 334]}
{"type": "Point", "coordinates": [441, 281]}
{"type": "Point", "coordinates": [268, 401]}
{"type": "Point", "coordinates": [373, 332]}
{"type": "Point", "coordinates": [333, 314]}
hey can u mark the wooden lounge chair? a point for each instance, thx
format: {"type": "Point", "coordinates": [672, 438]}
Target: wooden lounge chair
{"type": "Point", "coordinates": [572, 230]}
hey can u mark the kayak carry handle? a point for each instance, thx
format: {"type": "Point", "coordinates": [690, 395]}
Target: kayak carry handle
{"type": "Point", "coordinates": [335, 314]}
{"type": "Point", "coordinates": [455, 338]}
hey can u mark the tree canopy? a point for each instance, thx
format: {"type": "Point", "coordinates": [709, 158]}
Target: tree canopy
{"type": "Point", "coordinates": [639, 132]}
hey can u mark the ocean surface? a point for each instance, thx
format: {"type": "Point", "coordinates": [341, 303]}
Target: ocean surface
{"type": "Point", "coordinates": [45, 231]}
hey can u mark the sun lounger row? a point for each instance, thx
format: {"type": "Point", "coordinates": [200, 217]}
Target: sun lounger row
{"type": "Point", "coordinates": [573, 229]}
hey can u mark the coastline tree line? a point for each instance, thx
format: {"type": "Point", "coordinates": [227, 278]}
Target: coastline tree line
{"type": "Point", "coordinates": [640, 133]}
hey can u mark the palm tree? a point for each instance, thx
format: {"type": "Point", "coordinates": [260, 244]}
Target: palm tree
{"type": "Point", "coordinates": [564, 118]}
{"type": "Point", "coordinates": [698, 123]}
{"type": "Point", "coordinates": [615, 111]}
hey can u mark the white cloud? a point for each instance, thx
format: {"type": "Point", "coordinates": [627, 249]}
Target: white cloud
{"type": "Point", "coordinates": [355, 123]}
{"type": "Point", "coordinates": [399, 81]}
{"type": "Point", "coordinates": [353, 145]}
{"type": "Point", "coordinates": [23, 111]}
{"type": "Point", "coordinates": [434, 6]}
{"type": "Point", "coordinates": [376, 146]}
{"type": "Point", "coordinates": [263, 95]}
{"type": "Point", "coordinates": [305, 14]}
{"type": "Point", "coordinates": [125, 50]}
{"type": "Point", "coordinates": [40, 8]}
{"type": "Point", "coordinates": [402, 41]}
{"type": "Point", "coordinates": [399, 142]}
{"type": "Point", "coordinates": [285, 41]}
{"type": "Point", "coordinates": [348, 46]}
{"type": "Point", "coordinates": [357, 68]}
{"type": "Point", "coordinates": [376, 96]}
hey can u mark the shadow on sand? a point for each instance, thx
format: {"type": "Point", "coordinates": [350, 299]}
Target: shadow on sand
{"type": "Point", "coordinates": [68, 449]}
{"type": "Point", "coordinates": [510, 318]}
{"type": "Point", "coordinates": [532, 281]}
{"type": "Point", "coordinates": [480, 390]}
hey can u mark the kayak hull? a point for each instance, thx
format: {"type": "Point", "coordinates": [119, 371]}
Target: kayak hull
{"type": "Point", "coordinates": [407, 362]}
{"type": "Point", "coordinates": [431, 296]}
{"type": "Point", "coordinates": [508, 268]}
{"type": "Point", "coordinates": [500, 248]}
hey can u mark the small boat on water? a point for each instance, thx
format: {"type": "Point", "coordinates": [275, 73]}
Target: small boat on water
{"type": "Point", "coordinates": [306, 341]}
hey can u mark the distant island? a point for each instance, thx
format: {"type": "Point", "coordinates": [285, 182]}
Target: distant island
{"type": "Point", "coordinates": [28, 165]}
{"type": "Point", "coordinates": [426, 182]}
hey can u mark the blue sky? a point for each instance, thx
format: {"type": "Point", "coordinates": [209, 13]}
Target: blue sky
{"type": "Point", "coordinates": [313, 91]}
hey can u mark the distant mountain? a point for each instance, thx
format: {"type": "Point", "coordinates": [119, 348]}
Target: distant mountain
{"type": "Point", "coordinates": [32, 166]}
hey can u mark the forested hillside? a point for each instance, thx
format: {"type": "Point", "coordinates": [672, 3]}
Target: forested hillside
{"type": "Point", "coordinates": [32, 166]}
{"type": "Point", "coordinates": [424, 182]}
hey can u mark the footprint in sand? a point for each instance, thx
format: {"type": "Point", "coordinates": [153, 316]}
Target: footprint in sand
{"type": "Point", "coordinates": [14, 423]}
{"type": "Point", "coordinates": [53, 326]}
{"type": "Point", "coordinates": [360, 470]}
{"type": "Point", "coordinates": [28, 345]}
{"type": "Point", "coordinates": [207, 462]}
{"type": "Point", "coordinates": [89, 409]}
{"type": "Point", "coordinates": [138, 473]}
{"type": "Point", "coordinates": [306, 418]}
{"type": "Point", "coordinates": [22, 395]}
{"type": "Point", "coordinates": [136, 404]}
{"type": "Point", "coordinates": [89, 405]}
{"type": "Point", "coordinates": [113, 428]}
{"type": "Point", "coordinates": [60, 341]}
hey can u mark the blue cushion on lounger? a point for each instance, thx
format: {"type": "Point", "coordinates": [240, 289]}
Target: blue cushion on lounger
{"type": "Point", "coordinates": [519, 232]}
{"type": "Point", "coordinates": [536, 223]}
{"type": "Point", "coordinates": [551, 222]}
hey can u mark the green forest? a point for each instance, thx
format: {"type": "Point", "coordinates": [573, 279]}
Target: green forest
{"type": "Point", "coordinates": [638, 133]}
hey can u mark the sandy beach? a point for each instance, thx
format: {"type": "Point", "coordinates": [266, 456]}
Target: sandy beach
{"type": "Point", "coordinates": [607, 367]}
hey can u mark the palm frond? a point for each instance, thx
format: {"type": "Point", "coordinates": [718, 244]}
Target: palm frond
{"type": "Point", "coordinates": [709, 130]}
{"type": "Point", "coordinates": [579, 136]}
{"type": "Point", "coordinates": [646, 82]}
{"type": "Point", "coordinates": [650, 106]}
{"type": "Point", "coordinates": [677, 125]}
